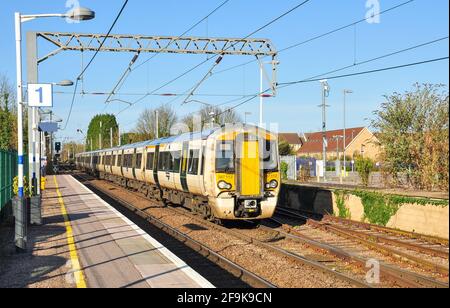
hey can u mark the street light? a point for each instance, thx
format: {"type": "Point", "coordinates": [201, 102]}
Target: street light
{"type": "Point", "coordinates": [75, 14]}
{"type": "Point", "coordinates": [346, 91]}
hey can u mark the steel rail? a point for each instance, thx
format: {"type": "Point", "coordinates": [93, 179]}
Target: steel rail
{"type": "Point", "coordinates": [364, 241]}
{"type": "Point", "coordinates": [285, 253]}
{"type": "Point", "coordinates": [411, 235]}
{"type": "Point", "coordinates": [399, 276]}
{"type": "Point", "coordinates": [384, 231]}
{"type": "Point", "coordinates": [228, 265]}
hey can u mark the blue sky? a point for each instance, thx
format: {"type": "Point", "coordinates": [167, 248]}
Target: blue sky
{"type": "Point", "coordinates": [295, 108]}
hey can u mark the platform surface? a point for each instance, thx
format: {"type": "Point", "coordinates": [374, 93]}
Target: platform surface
{"type": "Point", "coordinates": [111, 250]}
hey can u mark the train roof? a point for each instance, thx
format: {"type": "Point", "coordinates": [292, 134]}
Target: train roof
{"type": "Point", "coordinates": [203, 135]}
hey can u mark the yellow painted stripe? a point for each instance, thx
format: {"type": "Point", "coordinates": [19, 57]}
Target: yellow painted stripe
{"type": "Point", "coordinates": [76, 268]}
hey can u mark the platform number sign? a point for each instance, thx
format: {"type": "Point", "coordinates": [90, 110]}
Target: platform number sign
{"type": "Point", "coordinates": [40, 95]}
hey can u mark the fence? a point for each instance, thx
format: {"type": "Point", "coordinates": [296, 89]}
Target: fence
{"type": "Point", "coordinates": [8, 170]}
{"type": "Point", "coordinates": [291, 161]}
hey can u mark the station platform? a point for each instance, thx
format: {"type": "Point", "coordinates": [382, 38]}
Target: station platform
{"type": "Point", "coordinates": [107, 250]}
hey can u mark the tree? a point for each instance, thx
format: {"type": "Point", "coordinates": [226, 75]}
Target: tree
{"type": "Point", "coordinates": [207, 115]}
{"type": "Point", "coordinates": [285, 149]}
{"type": "Point", "coordinates": [100, 126]}
{"type": "Point", "coordinates": [146, 125]}
{"type": "Point", "coordinates": [7, 115]}
{"type": "Point", "coordinates": [413, 133]}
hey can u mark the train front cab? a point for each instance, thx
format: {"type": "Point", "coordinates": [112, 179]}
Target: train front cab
{"type": "Point", "coordinates": [246, 174]}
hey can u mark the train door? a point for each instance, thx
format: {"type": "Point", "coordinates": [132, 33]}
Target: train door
{"type": "Point", "coordinates": [149, 162]}
{"type": "Point", "coordinates": [248, 172]}
{"type": "Point", "coordinates": [184, 166]}
{"type": "Point", "coordinates": [168, 167]}
{"type": "Point", "coordinates": [194, 177]}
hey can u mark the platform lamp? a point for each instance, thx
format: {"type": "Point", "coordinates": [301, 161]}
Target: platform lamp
{"type": "Point", "coordinates": [78, 14]}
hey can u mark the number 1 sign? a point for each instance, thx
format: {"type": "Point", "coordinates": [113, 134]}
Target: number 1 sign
{"type": "Point", "coordinates": [40, 95]}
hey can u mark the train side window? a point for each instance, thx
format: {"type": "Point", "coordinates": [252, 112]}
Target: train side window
{"type": "Point", "coordinates": [119, 160]}
{"type": "Point", "coordinates": [165, 161]}
{"type": "Point", "coordinates": [138, 161]}
{"type": "Point", "coordinates": [150, 158]}
{"type": "Point", "coordinates": [129, 158]}
{"type": "Point", "coordinates": [176, 161]}
{"type": "Point", "coordinates": [193, 162]}
{"type": "Point", "coordinates": [270, 156]}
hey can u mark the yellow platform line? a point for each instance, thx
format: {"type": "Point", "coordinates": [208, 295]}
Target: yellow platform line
{"type": "Point", "coordinates": [76, 268]}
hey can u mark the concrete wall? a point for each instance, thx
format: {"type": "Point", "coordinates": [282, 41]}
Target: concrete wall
{"type": "Point", "coordinates": [424, 219]}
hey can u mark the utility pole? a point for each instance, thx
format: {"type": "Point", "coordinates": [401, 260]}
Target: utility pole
{"type": "Point", "coordinates": [325, 94]}
{"type": "Point", "coordinates": [111, 136]}
{"type": "Point", "coordinates": [118, 132]}
{"type": "Point", "coordinates": [157, 124]}
{"type": "Point", "coordinates": [345, 129]}
{"type": "Point", "coordinates": [51, 142]}
{"type": "Point", "coordinates": [261, 99]}
{"type": "Point", "coordinates": [100, 137]}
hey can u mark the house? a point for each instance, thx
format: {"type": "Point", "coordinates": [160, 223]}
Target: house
{"type": "Point", "coordinates": [293, 139]}
{"type": "Point", "coordinates": [359, 141]}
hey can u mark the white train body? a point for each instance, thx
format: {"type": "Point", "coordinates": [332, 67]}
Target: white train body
{"type": "Point", "coordinates": [224, 173]}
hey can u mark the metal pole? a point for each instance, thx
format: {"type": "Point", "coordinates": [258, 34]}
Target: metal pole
{"type": "Point", "coordinates": [21, 224]}
{"type": "Point", "coordinates": [157, 124]}
{"type": "Point", "coordinates": [118, 132]}
{"type": "Point", "coordinates": [324, 128]}
{"type": "Point", "coordinates": [35, 174]}
{"type": "Point", "coordinates": [51, 141]}
{"type": "Point", "coordinates": [261, 99]}
{"type": "Point", "coordinates": [100, 137]}
{"type": "Point", "coordinates": [345, 135]}
{"type": "Point", "coordinates": [111, 136]}
{"type": "Point", "coordinates": [38, 156]}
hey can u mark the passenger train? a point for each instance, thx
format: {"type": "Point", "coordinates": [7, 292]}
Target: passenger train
{"type": "Point", "coordinates": [225, 173]}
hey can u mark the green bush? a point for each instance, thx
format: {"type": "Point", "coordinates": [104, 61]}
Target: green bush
{"type": "Point", "coordinates": [284, 170]}
{"type": "Point", "coordinates": [364, 166]}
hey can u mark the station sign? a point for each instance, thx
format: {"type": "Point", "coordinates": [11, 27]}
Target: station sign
{"type": "Point", "coordinates": [40, 95]}
{"type": "Point", "coordinates": [48, 127]}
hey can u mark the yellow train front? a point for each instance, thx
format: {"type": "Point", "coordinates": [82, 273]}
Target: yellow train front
{"type": "Point", "coordinates": [226, 173]}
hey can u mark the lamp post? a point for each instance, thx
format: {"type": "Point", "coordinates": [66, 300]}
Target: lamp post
{"type": "Point", "coordinates": [346, 91]}
{"type": "Point", "coordinates": [338, 160]}
{"type": "Point", "coordinates": [21, 219]}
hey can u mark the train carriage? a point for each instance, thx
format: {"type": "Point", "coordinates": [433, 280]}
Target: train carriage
{"type": "Point", "coordinates": [225, 173]}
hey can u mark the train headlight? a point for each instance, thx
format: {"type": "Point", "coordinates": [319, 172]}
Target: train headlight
{"type": "Point", "coordinates": [224, 185]}
{"type": "Point", "coordinates": [273, 184]}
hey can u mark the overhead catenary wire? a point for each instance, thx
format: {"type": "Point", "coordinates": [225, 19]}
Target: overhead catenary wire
{"type": "Point", "coordinates": [379, 57]}
{"type": "Point", "coordinates": [287, 84]}
{"type": "Point", "coordinates": [316, 37]}
{"type": "Point", "coordinates": [92, 60]}
{"type": "Point", "coordinates": [301, 4]}
{"type": "Point", "coordinates": [124, 78]}
{"type": "Point", "coordinates": [284, 84]}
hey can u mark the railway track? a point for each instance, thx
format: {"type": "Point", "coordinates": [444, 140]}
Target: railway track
{"type": "Point", "coordinates": [278, 238]}
{"type": "Point", "coordinates": [366, 245]}
{"type": "Point", "coordinates": [314, 269]}
{"type": "Point", "coordinates": [226, 264]}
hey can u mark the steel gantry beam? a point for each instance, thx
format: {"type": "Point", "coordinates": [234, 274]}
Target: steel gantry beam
{"type": "Point", "coordinates": [161, 44]}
